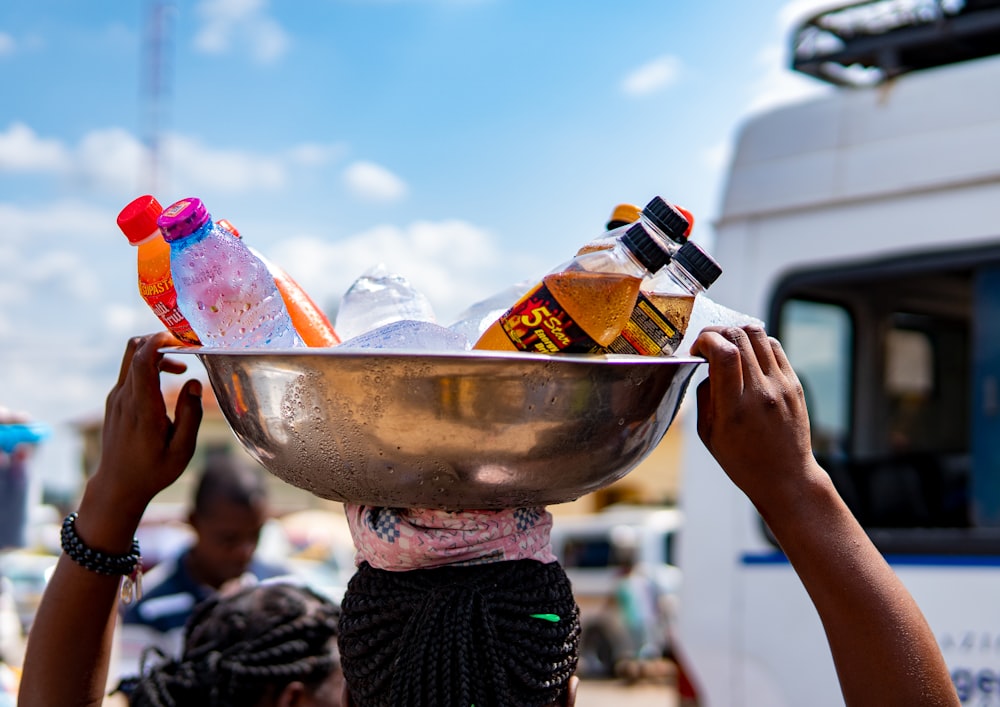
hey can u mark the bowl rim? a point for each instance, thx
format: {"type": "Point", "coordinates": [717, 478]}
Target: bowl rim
{"type": "Point", "coordinates": [469, 355]}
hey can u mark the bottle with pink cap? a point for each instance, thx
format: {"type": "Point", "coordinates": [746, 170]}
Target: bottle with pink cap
{"type": "Point", "coordinates": [224, 290]}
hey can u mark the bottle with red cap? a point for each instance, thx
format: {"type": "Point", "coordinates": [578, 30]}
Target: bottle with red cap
{"type": "Point", "coordinates": [224, 290]}
{"type": "Point", "coordinates": [156, 285]}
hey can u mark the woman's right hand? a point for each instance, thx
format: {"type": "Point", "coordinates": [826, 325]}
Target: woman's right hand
{"type": "Point", "coordinates": [143, 450]}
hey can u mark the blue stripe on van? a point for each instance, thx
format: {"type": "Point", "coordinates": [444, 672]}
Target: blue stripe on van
{"type": "Point", "coordinates": [778, 558]}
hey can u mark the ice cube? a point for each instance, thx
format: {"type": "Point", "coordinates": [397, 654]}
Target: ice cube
{"type": "Point", "coordinates": [477, 318]}
{"type": "Point", "coordinates": [379, 297]}
{"type": "Point", "coordinates": [707, 312]}
{"type": "Point", "coordinates": [409, 335]}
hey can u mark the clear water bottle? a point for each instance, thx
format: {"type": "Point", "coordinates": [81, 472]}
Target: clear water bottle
{"type": "Point", "coordinates": [225, 291]}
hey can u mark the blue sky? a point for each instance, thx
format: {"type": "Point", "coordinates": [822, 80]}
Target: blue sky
{"type": "Point", "coordinates": [467, 144]}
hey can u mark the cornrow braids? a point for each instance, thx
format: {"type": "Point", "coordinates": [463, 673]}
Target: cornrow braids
{"type": "Point", "coordinates": [502, 634]}
{"type": "Point", "coordinates": [238, 646]}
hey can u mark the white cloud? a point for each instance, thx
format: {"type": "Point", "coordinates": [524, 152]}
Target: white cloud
{"type": "Point", "coordinates": [452, 262]}
{"type": "Point", "coordinates": [654, 76]}
{"type": "Point", "coordinates": [243, 22]}
{"type": "Point", "coordinates": [373, 182]}
{"type": "Point", "coordinates": [7, 44]}
{"type": "Point", "coordinates": [113, 160]}
{"type": "Point", "coordinates": [21, 150]}
{"type": "Point", "coordinates": [123, 320]}
{"type": "Point", "coordinates": [110, 159]}
{"type": "Point", "coordinates": [196, 167]}
{"type": "Point", "coordinates": [313, 154]}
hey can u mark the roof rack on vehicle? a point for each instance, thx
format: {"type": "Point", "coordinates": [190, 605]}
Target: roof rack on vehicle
{"type": "Point", "coordinates": [867, 43]}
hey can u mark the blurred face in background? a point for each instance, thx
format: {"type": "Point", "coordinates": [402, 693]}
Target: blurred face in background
{"type": "Point", "coordinates": [227, 536]}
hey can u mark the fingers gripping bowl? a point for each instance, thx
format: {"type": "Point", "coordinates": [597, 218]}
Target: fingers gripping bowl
{"type": "Point", "coordinates": [452, 430]}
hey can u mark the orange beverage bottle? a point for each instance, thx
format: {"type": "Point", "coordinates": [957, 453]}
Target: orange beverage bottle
{"type": "Point", "coordinates": [156, 284]}
{"type": "Point", "coordinates": [311, 323]}
{"type": "Point", "coordinates": [666, 300]}
{"type": "Point", "coordinates": [582, 306]}
{"type": "Point", "coordinates": [308, 319]}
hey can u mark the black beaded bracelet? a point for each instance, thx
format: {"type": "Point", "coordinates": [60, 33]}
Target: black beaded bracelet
{"type": "Point", "coordinates": [95, 560]}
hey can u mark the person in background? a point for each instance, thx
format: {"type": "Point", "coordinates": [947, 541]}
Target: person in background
{"type": "Point", "coordinates": [228, 512]}
{"type": "Point", "coordinates": [273, 642]}
{"type": "Point", "coordinates": [751, 417]}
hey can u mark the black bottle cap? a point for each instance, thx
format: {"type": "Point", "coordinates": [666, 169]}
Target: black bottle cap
{"type": "Point", "coordinates": [668, 219]}
{"type": "Point", "coordinates": [698, 263]}
{"type": "Point", "coordinates": [650, 253]}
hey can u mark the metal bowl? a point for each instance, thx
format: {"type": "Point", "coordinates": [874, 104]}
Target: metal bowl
{"type": "Point", "coordinates": [464, 430]}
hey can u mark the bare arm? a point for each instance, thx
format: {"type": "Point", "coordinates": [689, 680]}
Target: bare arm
{"type": "Point", "coordinates": [752, 417]}
{"type": "Point", "coordinates": [69, 647]}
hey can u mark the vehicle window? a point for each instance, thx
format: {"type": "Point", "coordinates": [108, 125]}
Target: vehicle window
{"type": "Point", "coordinates": [817, 340]}
{"type": "Point", "coordinates": [668, 548]}
{"type": "Point", "coordinates": [586, 553]}
{"type": "Point", "coordinates": [886, 352]}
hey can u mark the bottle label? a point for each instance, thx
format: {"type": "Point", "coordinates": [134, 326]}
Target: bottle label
{"type": "Point", "coordinates": [648, 332]}
{"type": "Point", "coordinates": [537, 322]}
{"type": "Point", "coordinates": [162, 299]}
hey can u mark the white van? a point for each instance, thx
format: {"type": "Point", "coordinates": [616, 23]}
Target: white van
{"type": "Point", "coordinates": [864, 228]}
{"type": "Point", "coordinates": [595, 550]}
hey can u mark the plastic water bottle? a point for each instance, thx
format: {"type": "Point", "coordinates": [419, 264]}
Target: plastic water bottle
{"type": "Point", "coordinates": [224, 290]}
{"type": "Point", "coordinates": [156, 285]}
{"type": "Point", "coordinates": [309, 320]}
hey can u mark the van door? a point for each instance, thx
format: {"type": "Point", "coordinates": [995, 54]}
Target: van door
{"type": "Point", "coordinates": [900, 360]}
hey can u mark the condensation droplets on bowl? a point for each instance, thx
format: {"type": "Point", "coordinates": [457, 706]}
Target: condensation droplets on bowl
{"type": "Point", "coordinates": [445, 429]}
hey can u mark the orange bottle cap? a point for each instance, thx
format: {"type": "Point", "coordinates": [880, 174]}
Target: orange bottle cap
{"type": "Point", "coordinates": [623, 214]}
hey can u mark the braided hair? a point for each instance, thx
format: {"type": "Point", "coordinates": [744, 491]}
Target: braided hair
{"type": "Point", "coordinates": [238, 646]}
{"type": "Point", "coordinates": [503, 634]}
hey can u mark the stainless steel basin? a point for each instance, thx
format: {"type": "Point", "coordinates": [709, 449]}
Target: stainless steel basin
{"type": "Point", "coordinates": [457, 430]}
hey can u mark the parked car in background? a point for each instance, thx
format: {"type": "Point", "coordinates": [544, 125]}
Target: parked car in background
{"type": "Point", "coordinates": [27, 573]}
{"type": "Point", "coordinates": [605, 555]}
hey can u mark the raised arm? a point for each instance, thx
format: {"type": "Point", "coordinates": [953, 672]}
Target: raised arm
{"type": "Point", "coordinates": [68, 650]}
{"type": "Point", "coordinates": [752, 417]}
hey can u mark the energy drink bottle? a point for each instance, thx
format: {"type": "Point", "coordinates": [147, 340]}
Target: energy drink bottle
{"type": "Point", "coordinates": [663, 307]}
{"type": "Point", "coordinates": [582, 306]}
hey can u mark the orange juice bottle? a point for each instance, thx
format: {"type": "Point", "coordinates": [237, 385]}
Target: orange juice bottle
{"type": "Point", "coordinates": [156, 284]}
{"type": "Point", "coordinates": [309, 320]}
{"type": "Point", "coordinates": [582, 306]}
{"type": "Point", "coordinates": [311, 323]}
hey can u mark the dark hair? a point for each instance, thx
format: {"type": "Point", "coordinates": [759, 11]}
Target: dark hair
{"type": "Point", "coordinates": [226, 477]}
{"type": "Point", "coordinates": [503, 634]}
{"type": "Point", "coordinates": [237, 646]}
